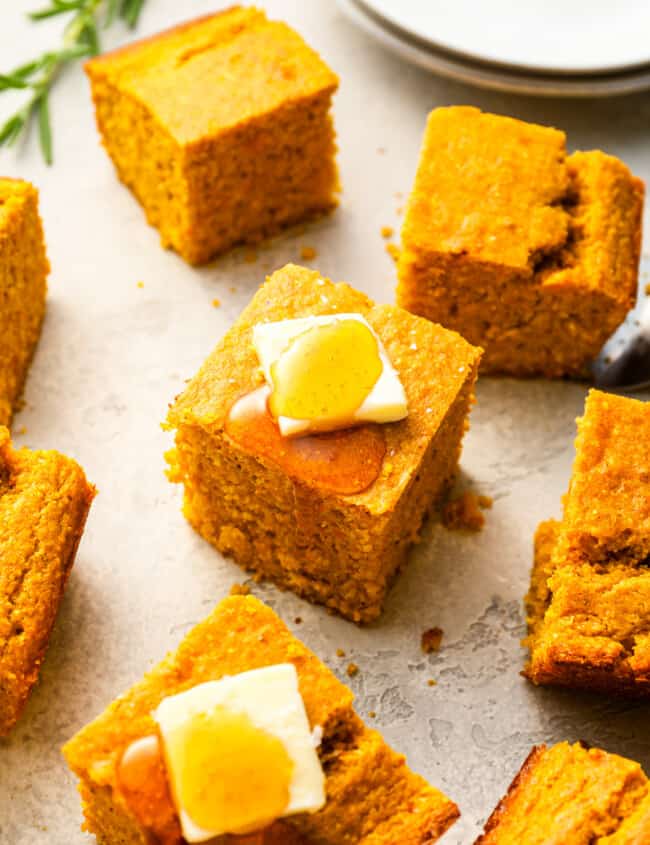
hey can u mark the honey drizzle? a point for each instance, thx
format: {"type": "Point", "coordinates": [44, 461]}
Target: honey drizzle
{"type": "Point", "coordinates": [346, 461]}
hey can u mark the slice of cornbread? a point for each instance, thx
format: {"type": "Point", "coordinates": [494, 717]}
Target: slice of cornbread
{"type": "Point", "coordinates": [527, 252]}
{"type": "Point", "coordinates": [589, 602]}
{"type": "Point", "coordinates": [44, 501]}
{"type": "Point", "coordinates": [23, 272]}
{"type": "Point", "coordinates": [334, 548]}
{"type": "Point", "coordinates": [372, 797]}
{"type": "Point", "coordinates": [573, 795]}
{"type": "Point", "coordinates": [221, 127]}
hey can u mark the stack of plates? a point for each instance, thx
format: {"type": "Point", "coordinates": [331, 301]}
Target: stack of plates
{"type": "Point", "coordinates": [565, 48]}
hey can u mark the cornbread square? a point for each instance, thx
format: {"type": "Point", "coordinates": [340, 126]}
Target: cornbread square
{"type": "Point", "coordinates": [573, 795]}
{"type": "Point", "coordinates": [44, 501]}
{"type": "Point", "coordinates": [339, 550]}
{"type": "Point", "coordinates": [23, 272]}
{"type": "Point", "coordinates": [589, 602]}
{"type": "Point", "coordinates": [221, 127]}
{"type": "Point", "coordinates": [527, 252]}
{"type": "Point", "coordinates": [372, 797]}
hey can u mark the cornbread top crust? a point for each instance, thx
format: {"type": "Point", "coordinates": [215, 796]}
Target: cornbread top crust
{"type": "Point", "coordinates": [497, 190]}
{"type": "Point", "coordinates": [240, 634]}
{"type": "Point", "coordinates": [371, 795]}
{"type": "Point", "coordinates": [216, 72]}
{"type": "Point", "coordinates": [607, 506]}
{"type": "Point", "coordinates": [44, 499]}
{"type": "Point", "coordinates": [433, 365]}
{"type": "Point", "coordinates": [13, 196]}
{"type": "Point", "coordinates": [572, 795]}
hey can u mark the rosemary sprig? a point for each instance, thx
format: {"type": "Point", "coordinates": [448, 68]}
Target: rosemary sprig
{"type": "Point", "coordinates": [80, 40]}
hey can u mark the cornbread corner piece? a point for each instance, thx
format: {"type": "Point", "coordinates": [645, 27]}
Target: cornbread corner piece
{"type": "Point", "coordinates": [573, 795]}
{"type": "Point", "coordinates": [527, 252]}
{"type": "Point", "coordinates": [339, 550]}
{"type": "Point", "coordinates": [221, 127]}
{"type": "Point", "coordinates": [372, 797]}
{"type": "Point", "coordinates": [44, 502]}
{"type": "Point", "coordinates": [23, 273]}
{"type": "Point", "coordinates": [589, 602]}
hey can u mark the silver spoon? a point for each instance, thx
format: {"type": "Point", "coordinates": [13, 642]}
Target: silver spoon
{"type": "Point", "coordinates": [624, 363]}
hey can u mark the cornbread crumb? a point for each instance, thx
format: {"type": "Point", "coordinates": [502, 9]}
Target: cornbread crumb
{"type": "Point", "coordinates": [431, 639]}
{"type": "Point", "coordinates": [298, 620]}
{"type": "Point", "coordinates": [308, 253]}
{"type": "Point", "coordinates": [372, 714]}
{"type": "Point", "coordinates": [22, 429]}
{"type": "Point", "coordinates": [139, 284]}
{"type": "Point", "coordinates": [352, 670]}
{"type": "Point", "coordinates": [647, 289]}
{"type": "Point", "coordinates": [240, 590]}
{"type": "Point", "coordinates": [340, 652]}
{"type": "Point", "coordinates": [463, 513]}
{"type": "Point", "coordinates": [216, 303]}
{"type": "Point", "coordinates": [431, 682]}
{"type": "Point", "coordinates": [386, 231]}
{"type": "Point", "coordinates": [250, 256]}
{"type": "Point", "coordinates": [393, 250]}
{"type": "Point", "coordinates": [485, 502]}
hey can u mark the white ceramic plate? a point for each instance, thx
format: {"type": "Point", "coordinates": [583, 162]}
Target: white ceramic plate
{"type": "Point", "coordinates": [546, 36]}
{"type": "Point", "coordinates": [494, 77]}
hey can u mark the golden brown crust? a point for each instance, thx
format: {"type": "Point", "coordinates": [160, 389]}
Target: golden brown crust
{"type": "Point", "coordinates": [23, 272]}
{"type": "Point", "coordinates": [44, 502]}
{"type": "Point", "coordinates": [527, 252]}
{"type": "Point", "coordinates": [372, 797]}
{"type": "Point", "coordinates": [572, 795]}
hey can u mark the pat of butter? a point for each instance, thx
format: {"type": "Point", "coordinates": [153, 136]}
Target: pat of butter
{"type": "Point", "coordinates": [268, 701]}
{"type": "Point", "coordinates": [385, 401]}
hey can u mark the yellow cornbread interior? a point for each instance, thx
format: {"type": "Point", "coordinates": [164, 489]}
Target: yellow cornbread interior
{"type": "Point", "coordinates": [23, 271]}
{"type": "Point", "coordinates": [233, 776]}
{"type": "Point", "coordinates": [326, 374]}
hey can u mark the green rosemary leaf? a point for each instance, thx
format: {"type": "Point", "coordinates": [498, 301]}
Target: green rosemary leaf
{"type": "Point", "coordinates": [112, 8]}
{"type": "Point", "coordinates": [12, 128]}
{"type": "Point", "coordinates": [44, 127]}
{"type": "Point", "coordinates": [42, 14]}
{"type": "Point", "coordinates": [130, 11]}
{"type": "Point", "coordinates": [11, 81]}
{"type": "Point", "coordinates": [90, 38]}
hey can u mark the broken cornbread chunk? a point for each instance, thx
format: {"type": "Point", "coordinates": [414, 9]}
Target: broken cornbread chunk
{"type": "Point", "coordinates": [573, 795]}
{"type": "Point", "coordinates": [23, 273]}
{"type": "Point", "coordinates": [527, 252]}
{"type": "Point", "coordinates": [221, 127]}
{"type": "Point", "coordinates": [589, 601]}
{"type": "Point", "coordinates": [44, 502]}
{"type": "Point", "coordinates": [220, 694]}
{"type": "Point", "coordinates": [329, 515]}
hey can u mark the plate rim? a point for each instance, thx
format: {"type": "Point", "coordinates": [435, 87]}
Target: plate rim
{"type": "Point", "coordinates": [425, 42]}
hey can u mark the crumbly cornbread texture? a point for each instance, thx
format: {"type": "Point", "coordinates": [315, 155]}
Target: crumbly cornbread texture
{"type": "Point", "coordinates": [527, 252]}
{"type": "Point", "coordinates": [339, 550]}
{"type": "Point", "coordinates": [23, 272]}
{"type": "Point", "coordinates": [575, 796]}
{"type": "Point", "coordinates": [221, 127]}
{"type": "Point", "coordinates": [589, 602]}
{"type": "Point", "coordinates": [372, 797]}
{"type": "Point", "coordinates": [44, 501]}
